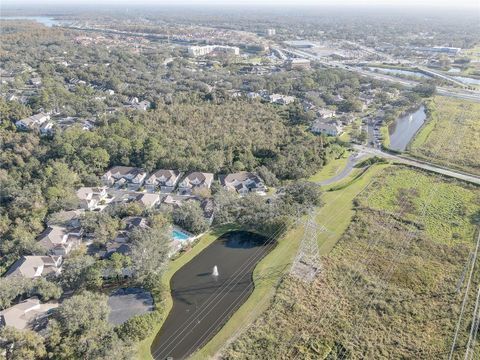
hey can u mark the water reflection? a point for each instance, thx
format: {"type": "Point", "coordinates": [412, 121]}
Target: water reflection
{"type": "Point", "coordinates": [404, 129]}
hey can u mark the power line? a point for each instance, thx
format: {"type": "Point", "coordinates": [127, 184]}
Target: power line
{"type": "Point", "coordinates": [407, 241]}
{"type": "Point", "coordinates": [307, 261]}
{"type": "Point", "coordinates": [157, 352]}
{"type": "Point", "coordinates": [465, 297]}
{"type": "Point", "coordinates": [217, 296]}
{"type": "Point", "coordinates": [364, 259]}
{"type": "Point", "coordinates": [474, 327]}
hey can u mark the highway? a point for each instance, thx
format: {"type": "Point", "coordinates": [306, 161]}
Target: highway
{"type": "Point", "coordinates": [445, 91]}
{"type": "Point", "coordinates": [474, 179]}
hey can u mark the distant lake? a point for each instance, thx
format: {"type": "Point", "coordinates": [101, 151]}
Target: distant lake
{"type": "Point", "coordinates": [45, 20]}
{"type": "Point", "coordinates": [399, 72]}
{"type": "Point", "coordinates": [404, 129]}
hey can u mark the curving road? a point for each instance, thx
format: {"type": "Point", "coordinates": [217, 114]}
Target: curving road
{"type": "Point", "coordinates": [352, 161]}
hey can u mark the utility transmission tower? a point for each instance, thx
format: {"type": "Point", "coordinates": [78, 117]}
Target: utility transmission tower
{"type": "Point", "coordinates": [307, 261]}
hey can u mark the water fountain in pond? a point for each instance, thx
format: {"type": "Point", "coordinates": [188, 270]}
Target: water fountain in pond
{"type": "Point", "coordinates": [215, 271]}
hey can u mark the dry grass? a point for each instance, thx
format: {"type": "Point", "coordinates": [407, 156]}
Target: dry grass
{"type": "Point", "coordinates": [387, 290]}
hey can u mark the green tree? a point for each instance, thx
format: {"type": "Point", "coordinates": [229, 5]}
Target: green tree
{"type": "Point", "coordinates": [190, 217]}
{"type": "Point", "coordinates": [117, 263]}
{"type": "Point", "coordinates": [74, 271]}
{"type": "Point", "coordinates": [79, 329]}
{"type": "Point", "coordinates": [21, 345]}
{"type": "Point", "coordinates": [103, 226]}
{"type": "Point", "coordinates": [150, 249]}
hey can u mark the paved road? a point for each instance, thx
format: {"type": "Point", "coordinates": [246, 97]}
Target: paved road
{"type": "Point", "coordinates": [474, 179]}
{"type": "Point", "coordinates": [445, 91]}
{"type": "Point", "coordinates": [352, 161]}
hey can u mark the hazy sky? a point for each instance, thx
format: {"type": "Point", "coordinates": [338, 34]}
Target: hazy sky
{"type": "Point", "coordinates": [277, 3]}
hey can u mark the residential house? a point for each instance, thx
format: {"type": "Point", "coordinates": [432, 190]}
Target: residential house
{"type": "Point", "coordinates": [36, 81]}
{"type": "Point", "coordinates": [166, 180]}
{"type": "Point", "coordinates": [87, 125]}
{"type": "Point", "coordinates": [91, 197]}
{"type": "Point", "coordinates": [253, 95]}
{"type": "Point", "coordinates": [207, 205]}
{"type": "Point", "coordinates": [131, 177]}
{"type": "Point", "coordinates": [243, 182]}
{"type": "Point", "coordinates": [338, 98]}
{"type": "Point", "coordinates": [281, 99]}
{"type": "Point", "coordinates": [69, 219]}
{"type": "Point", "coordinates": [35, 266]}
{"type": "Point", "coordinates": [298, 64]}
{"type": "Point", "coordinates": [133, 222]}
{"type": "Point", "coordinates": [27, 314]}
{"type": "Point", "coordinates": [327, 128]}
{"type": "Point", "coordinates": [148, 201]}
{"type": "Point", "coordinates": [347, 119]}
{"type": "Point", "coordinates": [325, 113]}
{"type": "Point", "coordinates": [142, 105]}
{"type": "Point", "coordinates": [173, 200]}
{"type": "Point", "coordinates": [195, 181]}
{"type": "Point", "coordinates": [133, 100]}
{"type": "Point", "coordinates": [46, 128]}
{"type": "Point", "coordinates": [58, 240]}
{"type": "Point", "coordinates": [32, 122]}
{"type": "Point", "coordinates": [120, 245]}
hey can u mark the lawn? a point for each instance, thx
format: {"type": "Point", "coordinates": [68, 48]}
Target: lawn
{"type": "Point", "coordinates": [338, 209]}
{"type": "Point", "coordinates": [388, 288]}
{"type": "Point", "coordinates": [451, 135]}
{"type": "Point", "coordinates": [332, 168]}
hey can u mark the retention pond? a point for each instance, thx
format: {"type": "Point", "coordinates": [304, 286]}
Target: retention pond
{"type": "Point", "coordinates": [404, 129]}
{"type": "Point", "coordinates": [204, 298]}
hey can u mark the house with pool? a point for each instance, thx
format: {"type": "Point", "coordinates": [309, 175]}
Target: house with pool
{"type": "Point", "coordinates": [180, 239]}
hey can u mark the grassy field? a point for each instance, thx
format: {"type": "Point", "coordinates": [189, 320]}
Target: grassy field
{"type": "Point", "coordinates": [388, 288]}
{"type": "Point", "coordinates": [473, 53]}
{"type": "Point", "coordinates": [332, 168]}
{"type": "Point", "coordinates": [338, 209]}
{"type": "Point", "coordinates": [451, 135]}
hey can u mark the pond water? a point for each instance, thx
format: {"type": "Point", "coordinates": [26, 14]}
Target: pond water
{"type": "Point", "coordinates": [202, 302]}
{"type": "Point", "coordinates": [45, 20]}
{"type": "Point", "coordinates": [404, 128]}
{"type": "Point", "coordinates": [399, 72]}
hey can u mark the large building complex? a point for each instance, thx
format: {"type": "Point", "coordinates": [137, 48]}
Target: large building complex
{"type": "Point", "coordinates": [205, 50]}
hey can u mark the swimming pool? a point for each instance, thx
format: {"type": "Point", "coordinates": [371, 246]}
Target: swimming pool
{"type": "Point", "coordinates": [179, 235]}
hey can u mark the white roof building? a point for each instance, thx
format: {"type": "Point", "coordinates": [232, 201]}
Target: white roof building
{"type": "Point", "coordinates": [35, 266]}
{"type": "Point", "coordinates": [32, 122]}
{"type": "Point", "coordinates": [25, 314]}
{"type": "Point", "coordinates": [327, 128]}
